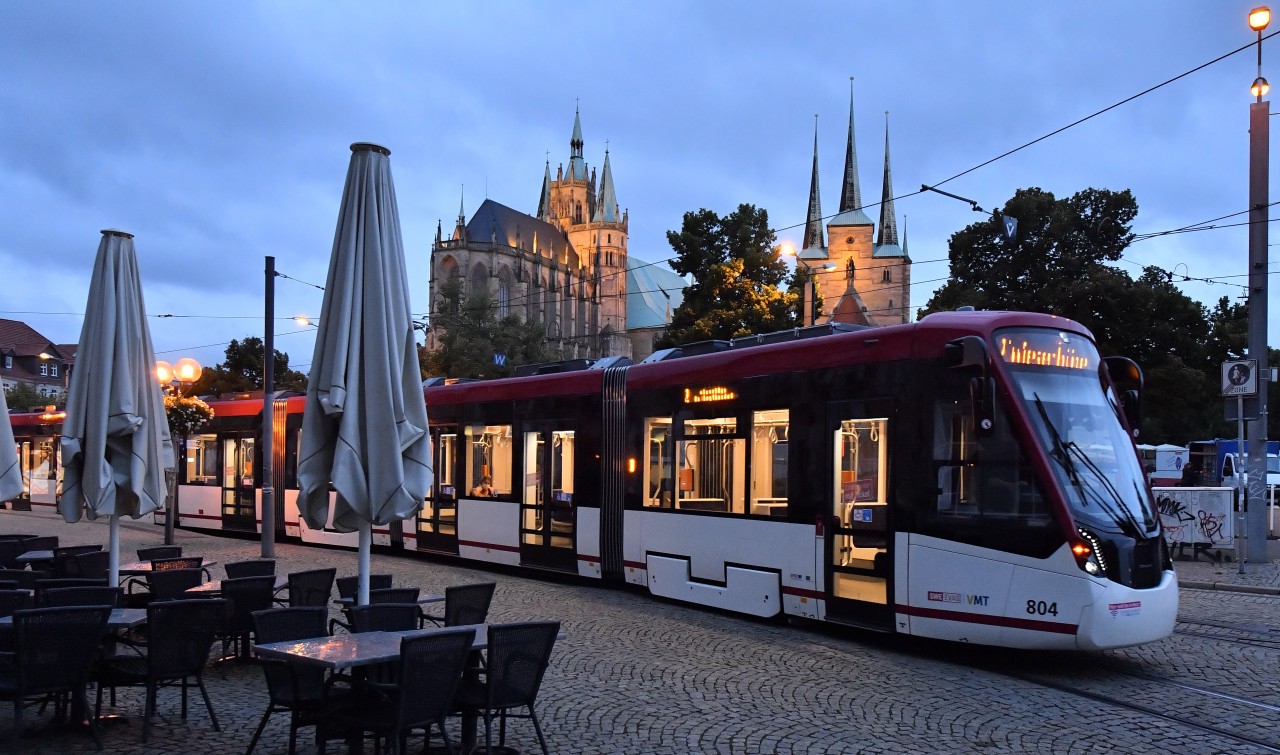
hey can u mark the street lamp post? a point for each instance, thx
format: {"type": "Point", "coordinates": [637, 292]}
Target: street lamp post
{"type": "Point", "coordinates": [173, 378]}
{"type": "Point", "coordinates": [1259, 157]}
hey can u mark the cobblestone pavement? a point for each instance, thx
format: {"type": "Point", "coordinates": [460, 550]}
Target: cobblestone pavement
{"type": "Point", "coordinates": [640, 675]}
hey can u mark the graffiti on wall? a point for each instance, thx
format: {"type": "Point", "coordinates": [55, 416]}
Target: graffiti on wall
{"type": "Point", "coordinates": [1196, 516]}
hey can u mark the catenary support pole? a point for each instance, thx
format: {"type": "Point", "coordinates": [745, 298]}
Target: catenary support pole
{"type": "Point", "coordinates": [268, 419]}
{"type": "Point", "coordinates": [1259, 157]}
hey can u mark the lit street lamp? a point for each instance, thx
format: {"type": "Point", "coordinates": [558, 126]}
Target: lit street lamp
{"type": "Point", "coordinates": [173, 378]}
{"type": "Point", "coordinates": [810, 294]}
{"type": "Point", "coordinates": [1259, 158]}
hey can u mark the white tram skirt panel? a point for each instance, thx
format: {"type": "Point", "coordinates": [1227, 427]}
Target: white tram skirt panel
{"type": "Point", "coordinates": [755, 567]}
{"type": "Point", "coordinates": [587, 528]}
{"type": "Point", "coordinates": [488, 530]}
{"type": "Point", "coordinates": [969, 594]}
{"type": "Point", "coordinates": [200, 506]}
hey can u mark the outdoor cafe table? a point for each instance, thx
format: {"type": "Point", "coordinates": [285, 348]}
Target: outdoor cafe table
{"type": "Point", "coordinates": [213, 587]}
{"type": "Point", "coordinates": [121, 618]}
{"type": "Point", "coordinates": [422, 600]}
{"type": "Point", "coordinates": [34, 556]}
{"type": "Point", "coordinates": [140, 568]}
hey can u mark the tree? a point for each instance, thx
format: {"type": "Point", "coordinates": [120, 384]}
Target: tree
{"type": "Point", "coordinates": [23, 396]}
{"type": "Point", "coordinates": [469, 334]}
{"type": "Point", "coordinates": [243, 370]}
{"type": "Point", "coordinates": [1059, 263]}
{"type": "Point", "coordinates": [737, 273]}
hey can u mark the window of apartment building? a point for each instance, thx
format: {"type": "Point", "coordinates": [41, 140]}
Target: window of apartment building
{"type": "Point", "coordinates": [53, 370]}
{"type": "Point", "coordinates": [44, 369]}
{"type": "Point", "coordinates": [8, 362]}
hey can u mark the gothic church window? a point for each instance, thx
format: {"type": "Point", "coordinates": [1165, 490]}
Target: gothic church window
{"type": "Point", "coordinates": [504, 298]}
{"type": "Point", "coordinates": [885, 278]}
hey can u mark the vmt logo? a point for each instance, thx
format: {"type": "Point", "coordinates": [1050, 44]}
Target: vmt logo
{"type": "Point", "coordinates": [977, 600]}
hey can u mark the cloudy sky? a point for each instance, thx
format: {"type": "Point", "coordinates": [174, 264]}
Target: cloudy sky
{"type": "Point", "coordinates": [218, 133]}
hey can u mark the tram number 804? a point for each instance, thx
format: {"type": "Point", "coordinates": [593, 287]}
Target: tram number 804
{"type": "Point", "coordinates": [1042, 608]}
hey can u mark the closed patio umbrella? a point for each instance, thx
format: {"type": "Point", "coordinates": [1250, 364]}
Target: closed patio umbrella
{"type": "Point", "coordinates": [10, 475]}
{"type": "Point", "coordinates": [115, 438]}
{"type": "Point", "coordinates": [364, 427]}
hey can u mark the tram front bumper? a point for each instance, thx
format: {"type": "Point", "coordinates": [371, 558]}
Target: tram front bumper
{"type": "Point", "coordinates": [1122, 616]}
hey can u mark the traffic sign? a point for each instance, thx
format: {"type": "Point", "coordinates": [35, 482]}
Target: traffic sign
{"type": "Point", "coordinates": [1240, 378]}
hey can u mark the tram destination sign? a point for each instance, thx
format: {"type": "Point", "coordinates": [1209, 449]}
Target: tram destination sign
{"type": "Point", "coordinates": [1240, 377]}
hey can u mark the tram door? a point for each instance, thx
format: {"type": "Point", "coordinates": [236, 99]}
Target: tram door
{"type": "Point", "coordinates": [860, 542]}
{"type": "Point", "coordinates": [438, 519]}
{"type": "Point", "coordinates": [547, 514]}
{"type": "Point", "coordinates": [238, 497]}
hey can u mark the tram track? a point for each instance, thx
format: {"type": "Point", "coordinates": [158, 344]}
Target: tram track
{"type": "Point", "coordinates": [1243, 710]}
{"type": "Point", "coordinates": [1254, 635]}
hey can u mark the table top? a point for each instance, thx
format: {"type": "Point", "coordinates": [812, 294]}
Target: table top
{"type": "Point", "coordinates": [139, 568]}
{"type": "Point", "coordinates": [342, 651]}
{"type": "Point", "coordinates": [121, 618]}
{"type": "Point", "coordinates": [30, 556]}
{"type": "Point", "coordinates": [422, 600]}
{"type": "Point", "coordinates": [214, 586]}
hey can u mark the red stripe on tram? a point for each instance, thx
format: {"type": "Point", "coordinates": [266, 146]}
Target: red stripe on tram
{"type": "Point", "coordinates": [997, 621]}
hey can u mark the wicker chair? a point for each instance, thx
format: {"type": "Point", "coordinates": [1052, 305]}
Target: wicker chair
{"type": "Point", "coordinates": [9, 552]}
{"type": "Point", "coordinates": [429, 673]}
{"type": "Point", "coordinates": [297, 689]}
{"type": "Point", "coordinates": [159, 552]}
{"type": "Point", "coordinates": [81, 596]}
{"type": "Point", "coordinates": [54, 649]}
{"type": "Point", "coordinates": [41, 543]}
{"type": "Point", "coordinates": [311, 588]}
{"type": "Point", "coordinates": [171, 584]}
{"type": "Point", "coordinates": [94, 564]}
{"type": "Point", "coordinates": [25, 578]}
{"type": "Point", "coordinates": [258, 567]}
{"type": "Point", "coordinates": [517, 660]}
{"type": "Point", "coordinates": [244, 597]}
{"type": "Point", "coordinates": [347, 586]}
{"type": "Point", "coordinates": [11, 601]}
{"type": "Point", "coordinates": [180, 634]}
{"type": "Point", "coordinates": [64, 560]}
{"type": "Point", "coordinates": [465, 604]}
{"type": "Point", "coordinates": [394, 595]}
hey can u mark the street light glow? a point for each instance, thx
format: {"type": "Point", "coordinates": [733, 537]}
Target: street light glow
{"type": "Point", "coordinates": [187, 370]}
{"type": "Point", "coordinates": [164, 372]}
{"type": "Point", "coordinates": [1259, 18]}
{"type": "Point", "coordinates": [303, 320]}
{"type": "Point", "coordinates": [1260, 87]}
{"type": "Point", "coordinates": [787, 249]}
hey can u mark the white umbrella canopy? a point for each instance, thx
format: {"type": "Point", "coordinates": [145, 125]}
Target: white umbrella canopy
{"type": "Point", "coordinates": [10, 475]}
{"type": "Point", "coordinates": [364, 427]}
{"type": "Point", "coordinates": [115, 438]}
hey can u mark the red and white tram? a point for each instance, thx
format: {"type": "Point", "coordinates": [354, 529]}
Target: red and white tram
{"type": "Point", "coordinates": [969, 477]}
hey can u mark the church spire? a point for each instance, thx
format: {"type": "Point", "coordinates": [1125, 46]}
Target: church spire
{"type": "Point", "coordinates": [850, 193]}
{"type": "Point", "coordinates": [577, 166]}
{"type": "Point", "coordinates": [544, 199]}
{"type": "Point", "coordinates": [460, 229]}
{"type": "Point", "coordinates": [888, 225]}
{"type": "Point", "coordinates": [607, 203]}
{"type": "Point", "coordinates": [813, 221]}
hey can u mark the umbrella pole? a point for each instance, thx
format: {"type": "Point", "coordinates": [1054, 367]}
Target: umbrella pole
{"type": "Point", "coordinates": [113, 547]}
{"type": "Point", "coordinates": [366, 543]}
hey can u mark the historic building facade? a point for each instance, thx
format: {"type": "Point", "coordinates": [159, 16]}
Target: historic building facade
{"type": "Point", "coordinates": [565, 266]}
{"type": "Point", "coordinates": [869, 282]}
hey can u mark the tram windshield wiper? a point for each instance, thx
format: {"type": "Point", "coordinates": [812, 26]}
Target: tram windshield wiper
{"type": "Point", "coordinates": [1064, 451]}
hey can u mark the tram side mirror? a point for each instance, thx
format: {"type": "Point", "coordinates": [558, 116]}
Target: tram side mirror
{"type": "Point", "coordinates": [970, 352]}
{"type": "Point", "coordinates": [1126, 377]}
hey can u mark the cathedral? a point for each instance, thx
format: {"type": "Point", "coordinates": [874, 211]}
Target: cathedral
{"type": "Point", "coordinates": [566, 265]}
{"type": "Point", "coordinates": [859, 281]}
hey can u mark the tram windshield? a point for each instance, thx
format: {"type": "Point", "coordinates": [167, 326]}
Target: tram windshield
{"type": "Point", "coordinates": [1092, 457]}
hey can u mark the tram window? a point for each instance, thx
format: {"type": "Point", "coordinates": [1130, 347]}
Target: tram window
{"type": "Point", "coordinates": [770, 448]}
{"type": "Point", "coordinates": [446, 462]}
{"type": "Point", "coordinates": [489, 455]}
{"type": "Point", "coordinates": [711, 463]}
{"type": "Point", "coordinates": [202, 460]}
{"type": "Point", "coordinates": [658, 473]}
{"type": "Point", "coordinates": [862, 448]}
{"type": "Point", "coordinates": [987, 476]}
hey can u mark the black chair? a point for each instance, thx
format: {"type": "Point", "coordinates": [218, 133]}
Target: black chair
{"type": "Point", "coordinates": [94, 564]}
{"type": "Point", "coordinates": [41, 543]}
{"type": "Point", "coordinates": [25, 578]}
{"type": "Point", "coordinates": [11, 601]}
{"type": "Point", "coordinates": [311, 588]}
{"type": "Point", "coordinates": [394, 595]}
{"type": "Point", "coordinates": [347, 586]}
{"type": "Point", "coordinates": [44, 585]}
{"type": "Point", "coordinates": [81, 596]}
{"type": "Point", "coordinates": [244, 597]}
{"type": "Point", "coordinates": [64, 560]}
{"type": "Point", "coordinates": [171, 584]}
{"type": "Point", "coordinates": [516, 661]}
{"type": "Point", "coordinates": [10, 549]}
{"type": "Point", "coordinates": [54, 649]}
{"type": "Point", "coordinates": [384, 617]}
{"type": "Point", "coordinates": [159, 552]}
{"type": "Point", "coordinates": [258, 567]}
{"type": "Point", "coordinates": [292, 687]}
{"type": "Point", "coordinates": [465, 604]}
{"type": "Point", "coordinates": [180, 634]}
{"type": "Point", "coordinates": [429, 673]}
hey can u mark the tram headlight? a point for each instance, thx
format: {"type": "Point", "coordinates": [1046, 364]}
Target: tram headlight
{"type": "Point", "coordinates": [1088, 553]}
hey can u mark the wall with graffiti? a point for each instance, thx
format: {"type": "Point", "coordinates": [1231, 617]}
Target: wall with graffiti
{"type": "Point", "coordinates": [1197, 516]}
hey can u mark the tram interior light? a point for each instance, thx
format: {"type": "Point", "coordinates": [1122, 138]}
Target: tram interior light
{"type": "Point", "coordinates": [631, 465]}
